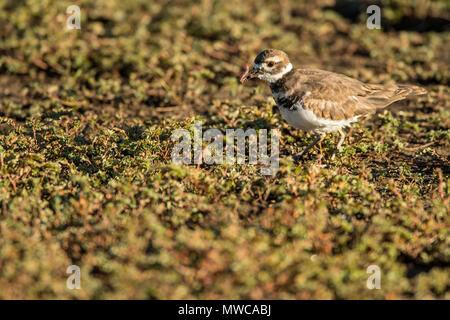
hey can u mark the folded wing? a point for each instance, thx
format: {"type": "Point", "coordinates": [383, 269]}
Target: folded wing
{"type": "Point", "coordinates": [338, 97]}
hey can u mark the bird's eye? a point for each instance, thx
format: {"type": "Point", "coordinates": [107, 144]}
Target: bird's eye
{"type": "Point", "coordinates": [270, 64]}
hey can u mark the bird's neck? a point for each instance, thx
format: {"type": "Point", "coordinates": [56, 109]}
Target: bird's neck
{"type": "Point", "coordinates": [277, 80]}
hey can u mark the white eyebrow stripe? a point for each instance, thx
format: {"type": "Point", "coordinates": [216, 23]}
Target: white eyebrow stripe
{"type": "Point", "coordinates": [273, 59]}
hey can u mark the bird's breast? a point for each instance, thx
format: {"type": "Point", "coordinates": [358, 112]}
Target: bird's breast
{"type": "Point", "coordinates": [296, 115]}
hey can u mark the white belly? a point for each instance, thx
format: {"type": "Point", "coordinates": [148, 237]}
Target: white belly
{"type": "Point", "coordinates": [307, 120]}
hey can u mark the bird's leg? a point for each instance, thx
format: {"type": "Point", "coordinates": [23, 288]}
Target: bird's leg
{"type": "Point", "coordinates": [339, 144]}
{"type": "Point", "coordinates": [318, 139]}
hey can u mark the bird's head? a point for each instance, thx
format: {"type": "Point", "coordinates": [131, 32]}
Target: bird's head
{"type": "Point", "coordinates": [270, 65]}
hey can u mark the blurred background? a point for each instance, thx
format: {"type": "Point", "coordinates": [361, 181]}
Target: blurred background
{"type": "Point", "coordinates": [85, 175]}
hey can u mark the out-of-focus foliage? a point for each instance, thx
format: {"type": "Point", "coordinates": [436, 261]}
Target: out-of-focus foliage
{"type": "Point", "coordinates": [86, 177]}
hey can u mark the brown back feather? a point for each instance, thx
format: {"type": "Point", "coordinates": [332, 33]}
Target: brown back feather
{"type": "Point", "coordinates": [336, 96]}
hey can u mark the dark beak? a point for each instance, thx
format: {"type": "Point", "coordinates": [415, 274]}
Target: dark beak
{"type": "Point", "coordinates": [248, 74]}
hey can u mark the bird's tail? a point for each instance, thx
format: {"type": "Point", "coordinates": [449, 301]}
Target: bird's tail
{"type": "Point", "coordinates": [381, 96]}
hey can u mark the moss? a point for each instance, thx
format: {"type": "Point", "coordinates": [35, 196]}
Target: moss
{"type": "Point", "coordinates": [86, 176]}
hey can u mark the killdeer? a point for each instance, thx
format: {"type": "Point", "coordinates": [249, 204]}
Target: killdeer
{"type": "Point", "coordinates": [321, 101]}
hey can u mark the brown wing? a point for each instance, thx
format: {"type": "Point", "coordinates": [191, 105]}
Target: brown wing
{"type": "Point", "coordinates": [338, 97]}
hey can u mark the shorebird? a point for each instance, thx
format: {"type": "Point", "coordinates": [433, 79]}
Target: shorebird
{"type": "Point", "coordinates": [320, 101]}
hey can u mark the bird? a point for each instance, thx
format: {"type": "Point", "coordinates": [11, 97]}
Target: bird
{"type": "Point", "coordinates": [320, 101]}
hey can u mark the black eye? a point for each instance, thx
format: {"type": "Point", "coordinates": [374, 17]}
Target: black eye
{"type": "Point", "coordinates": [270, 64]}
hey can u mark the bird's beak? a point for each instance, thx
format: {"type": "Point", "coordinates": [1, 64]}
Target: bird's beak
{"type": "Point", "coordinates": [249, 74]}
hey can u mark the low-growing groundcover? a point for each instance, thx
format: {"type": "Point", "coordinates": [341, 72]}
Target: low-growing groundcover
{"type": "Point", "coordinates": [86, 176]}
